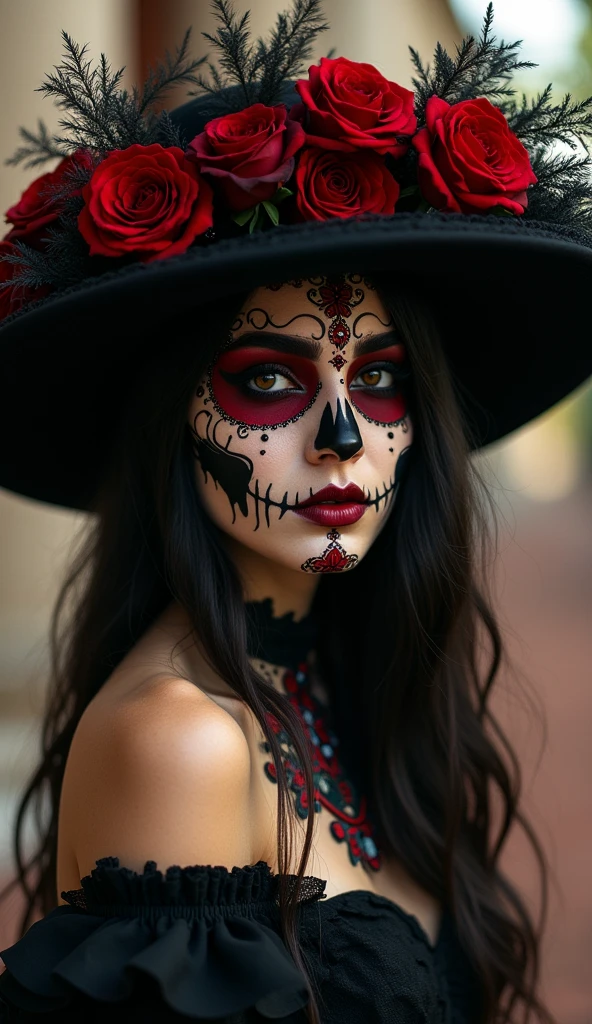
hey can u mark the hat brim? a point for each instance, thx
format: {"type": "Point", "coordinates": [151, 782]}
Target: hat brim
{"type": "Point", "coordinates": [511, 299]}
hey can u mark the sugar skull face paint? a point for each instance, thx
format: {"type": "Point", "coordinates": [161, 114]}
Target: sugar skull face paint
{"type": "Point", "coordinates": [300, 428]}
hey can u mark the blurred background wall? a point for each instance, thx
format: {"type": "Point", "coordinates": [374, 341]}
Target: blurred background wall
{"type": "Point", "coordinates": [541, 477]}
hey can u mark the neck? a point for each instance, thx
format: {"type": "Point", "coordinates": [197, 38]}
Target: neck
{"type": "Point", "coordinates": [277, 602]}
{"type": "Point", "coordinates": [289, 591]}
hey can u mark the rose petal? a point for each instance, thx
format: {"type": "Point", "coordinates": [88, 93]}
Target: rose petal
{"type": "Point", "coordinates": [146, 199]}
{"type": "Point", "coordinates": [351, 105]}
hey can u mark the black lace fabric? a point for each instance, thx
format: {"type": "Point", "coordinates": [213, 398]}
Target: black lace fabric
{"type": "Point", "coordinates": [205, 944]}
{"type": "Point", "coordinates": [311, 888]}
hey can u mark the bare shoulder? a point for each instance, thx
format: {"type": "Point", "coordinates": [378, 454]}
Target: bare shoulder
{"type": "Point", "coordinates": [164, 775]}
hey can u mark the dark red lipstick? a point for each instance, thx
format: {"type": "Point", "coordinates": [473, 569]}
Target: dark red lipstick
{"type": "Point", "coordinates": [334, 506]}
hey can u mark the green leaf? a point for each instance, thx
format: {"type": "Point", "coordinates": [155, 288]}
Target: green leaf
{"type": "Point", "coordinates": [500, 211]}
{"type": "Point", "coordinates": [423, 206]}
{"type": "Point", "coordinates": [257, 219]}
{"type": "Point", "coordinates": [245, 215]}
{"type": "Point", "coordinates": [281, 194]}
{"type": "Point", "coordinates": [412, 190]}
{"type": "Point", "coordinates": [272, 212]}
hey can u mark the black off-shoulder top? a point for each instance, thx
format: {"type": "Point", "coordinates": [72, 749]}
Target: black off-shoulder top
{"type": "Point", "coordinates": [203, 944]}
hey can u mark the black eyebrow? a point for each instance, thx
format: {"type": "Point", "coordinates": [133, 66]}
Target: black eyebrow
{"type": "Point", "coordinates": [298, 346]}
{"type": "Point", "coordinates": [288, 343]}
{"type": "Point", "coordinates": [375, 342]}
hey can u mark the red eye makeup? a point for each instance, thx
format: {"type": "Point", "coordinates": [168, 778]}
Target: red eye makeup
{"type": "Point", "coordinates": [258, 387]}
{"type": "Point", "coordinates": [376, 383]}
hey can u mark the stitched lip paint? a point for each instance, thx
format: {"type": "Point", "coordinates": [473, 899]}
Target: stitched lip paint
{"type": "Point", "coordinates": [334, 506]}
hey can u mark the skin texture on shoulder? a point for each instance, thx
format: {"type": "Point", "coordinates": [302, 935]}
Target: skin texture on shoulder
{"type": "Point", "coordinates": [166, 778]}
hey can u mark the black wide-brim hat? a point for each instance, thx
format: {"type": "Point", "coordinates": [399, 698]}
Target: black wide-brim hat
{"type": "Point", "coordinates": [511, 297]}
{"type": "Point", "coordinates": [515, 343]}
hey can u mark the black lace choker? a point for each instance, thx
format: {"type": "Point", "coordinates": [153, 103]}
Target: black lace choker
{"type": "Point", "coordinates": [278, 640]}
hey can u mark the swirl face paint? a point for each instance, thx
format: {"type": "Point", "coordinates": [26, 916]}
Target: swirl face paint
{"type": "Point", "coordinates": [299, 428]}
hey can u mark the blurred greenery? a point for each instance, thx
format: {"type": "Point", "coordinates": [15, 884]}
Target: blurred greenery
{"type": "Point", "coordinates": [583, 79]}
{"type": "Point", "coordinates": [582, 86]}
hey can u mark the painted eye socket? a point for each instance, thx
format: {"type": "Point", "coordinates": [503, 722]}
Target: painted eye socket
{"type": "Point", "coordinates": [375, 377]}
{"type": "Point", "coordinates": [249, 387]}
{"type": "Point", "coordinates": [377, 388]}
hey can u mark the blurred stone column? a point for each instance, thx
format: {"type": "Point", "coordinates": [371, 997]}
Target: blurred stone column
{"type": "Point", "coordinates": [380, 32]}
{"type": "Point", "coordinates": [35, 538]}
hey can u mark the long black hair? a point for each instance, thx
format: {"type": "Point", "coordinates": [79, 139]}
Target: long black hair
{"type": "Point", "coordinates": [428, 749]}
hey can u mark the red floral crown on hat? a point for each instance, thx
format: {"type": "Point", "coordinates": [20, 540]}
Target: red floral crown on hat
{"type": "Point", "coordinates": [130, 188]}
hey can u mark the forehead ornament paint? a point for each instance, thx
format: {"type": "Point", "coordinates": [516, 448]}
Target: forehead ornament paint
{"type": "Point", "coordinates": [336, 297]}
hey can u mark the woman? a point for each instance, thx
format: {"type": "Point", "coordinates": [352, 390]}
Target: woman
{"type": "Point", "coordinates": [268, 744]}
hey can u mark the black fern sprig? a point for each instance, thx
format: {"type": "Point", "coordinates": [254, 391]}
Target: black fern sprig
{"type": "Point", "coordinates": [57, 266]}
{"type": "Point", "coordinates": [232, 41]}
{"type": "Point", "coordinates": [540, 122]}
{"type": "Point", "coordinates": [289, 47]}
{"type": "Point", "coordinates": [39, 147]}
{"type": "Point", "coordinates": [86, 93]}
{"type": "Point", "coordinates": [554, 169]}
{"type": "Point", "coordinates": [481, 67]}
{"type": "Point", "coordinates": [175, 69]}
{"type": "Point", "coordinates": [563, 192]}
{"type": "Point", "coordinates": [64, 194]}
{"type": "Point", "coordinates": [98, 114]}
{"type": "Point", "coordinates": [259, 68]}
{"type": "Point", "coordinates": [169, 133]}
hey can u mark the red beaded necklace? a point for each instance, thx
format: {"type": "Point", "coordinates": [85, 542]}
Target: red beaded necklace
{"type": "Point", "coordinates": [350, 823]}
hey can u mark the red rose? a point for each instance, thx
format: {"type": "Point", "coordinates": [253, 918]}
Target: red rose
{"type": "Point", "coordinates": [144, 200]}
{"type": "Point", "coordinates": [332, 184]}
{"type": "Point", "coordinates": [470, 160]}
{"type": "Point", "coordinates": [348, 106]}
{"type": "Point", "coordinates": [38, 207]}
{"type": "Point", "coordinates": [14, 295]}
{"type": "Point", "coordinates": [250, 153]}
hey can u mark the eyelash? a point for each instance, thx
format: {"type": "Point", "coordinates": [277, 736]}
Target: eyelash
{"type": "Point", "coordinates": [242, 377]}
{"type": "Point", "coordinates": [398, 372]}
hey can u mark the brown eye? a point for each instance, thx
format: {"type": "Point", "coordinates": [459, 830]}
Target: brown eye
{"type": "Point", "coordinates": [371, 376]}
{"type": "Point", "coordinates": [265, 381]}
{"type": "Point", "coordinates": [272, 381]}
{"type": "Point", "coordinates": [377, 378]}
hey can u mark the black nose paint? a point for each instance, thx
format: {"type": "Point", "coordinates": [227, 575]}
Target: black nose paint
{"type": "Point", "coordinates": [341, 433]}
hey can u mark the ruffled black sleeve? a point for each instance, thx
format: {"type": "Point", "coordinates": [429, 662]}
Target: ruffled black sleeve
{"type": "Point", "coordinates": [195, 943]}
